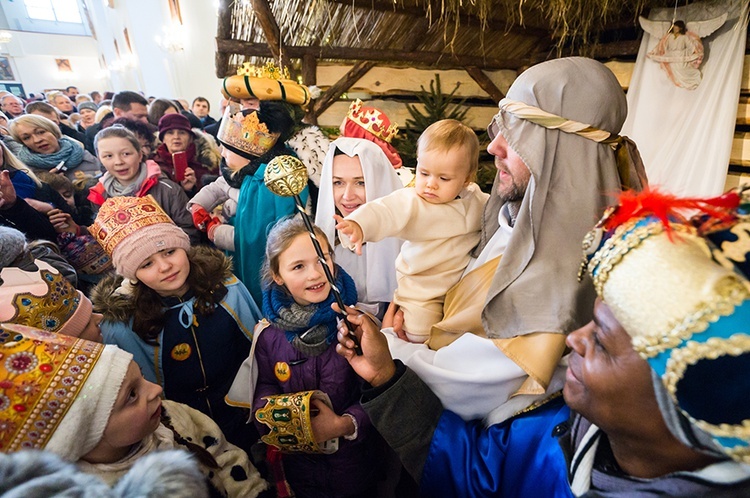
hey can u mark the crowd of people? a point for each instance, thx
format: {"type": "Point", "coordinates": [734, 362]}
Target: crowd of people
{"type": "Point", "coordinates": [170, 326]}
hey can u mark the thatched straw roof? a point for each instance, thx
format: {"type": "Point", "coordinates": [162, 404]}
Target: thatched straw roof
{"type": "Point", "coordinates": [489, 34]}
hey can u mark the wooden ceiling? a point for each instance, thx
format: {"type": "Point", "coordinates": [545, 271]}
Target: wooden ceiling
{"type": "Point", "coordinates": [489, 34]}
{"type": "Point", "coordinates": [473, 35]}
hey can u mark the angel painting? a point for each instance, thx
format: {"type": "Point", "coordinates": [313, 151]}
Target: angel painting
{"type": "Point", "coordinates": [680, 50]}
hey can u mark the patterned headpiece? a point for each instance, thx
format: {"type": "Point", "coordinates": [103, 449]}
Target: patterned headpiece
{"type": "Point", "coordinates": [39, 296]}
{"type": "Point", "coordinates": [288, 417]}
{"type": "Point", "coordinates": [244, 133]}
{"type": "Point", "coordinates": [56, 391]}
{"type": "Point", "coordinates": [372, 120]}
{"type": "Point", "coordinates": [264, 83]}
{"type": "Point", "coordinates": [687, 314]}
{"type": "Point", "coordinates": [132, 229]}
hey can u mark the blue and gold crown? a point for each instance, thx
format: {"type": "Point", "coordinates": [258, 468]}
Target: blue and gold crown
{"type": "Point", "coordinates": [684, 303]}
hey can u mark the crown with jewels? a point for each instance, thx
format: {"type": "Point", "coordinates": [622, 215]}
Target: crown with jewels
{"type": "Point", "coordinates": [122, 216]}
{"type": "Point", "coordinates": [246, 133]}
{"type": "Point", "coordinates": [267, 82]}
{"type": "Point", "coordinates": [41, 375]}
{"type": "Point", "coordinates": [372, 120]}
{"type": "Point", "coordinates": [269, 70]}
{"type": "Point", "coordinates": [288, 417]}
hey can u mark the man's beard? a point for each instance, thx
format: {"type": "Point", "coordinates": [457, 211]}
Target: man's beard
{"type": "Point", "coordinates": [514, 193]}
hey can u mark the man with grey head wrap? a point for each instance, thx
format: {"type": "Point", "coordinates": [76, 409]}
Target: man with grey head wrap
{"type": "Point", "coordinates": [559, 160]}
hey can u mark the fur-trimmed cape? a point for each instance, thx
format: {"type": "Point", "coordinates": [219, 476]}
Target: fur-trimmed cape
{"type": "Point", "coordinates": [41, 474]}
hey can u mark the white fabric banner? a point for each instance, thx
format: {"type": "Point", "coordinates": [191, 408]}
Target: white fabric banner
{"type": "Point", "coordinates": [685, 136]}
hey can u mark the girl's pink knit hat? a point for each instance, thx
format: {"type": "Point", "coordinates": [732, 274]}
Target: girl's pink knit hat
{"type": "Point", "coordinates": [132, 229]}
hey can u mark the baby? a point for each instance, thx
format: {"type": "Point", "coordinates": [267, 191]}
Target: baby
{"type": "Point", "coordinates": [439, 219]}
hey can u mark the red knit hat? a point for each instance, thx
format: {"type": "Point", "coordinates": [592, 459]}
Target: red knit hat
{"type": "Point", "coordinates": [174, 121]}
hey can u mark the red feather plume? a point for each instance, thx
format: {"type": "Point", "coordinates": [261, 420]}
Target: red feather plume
{"type": "Point", "coordinates": [652, 202]}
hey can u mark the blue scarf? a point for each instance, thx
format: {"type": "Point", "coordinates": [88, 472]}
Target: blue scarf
{"type": "Point", "coordinates": [70, 151]}
{"type": "Point", "coordinates": [280, 308]}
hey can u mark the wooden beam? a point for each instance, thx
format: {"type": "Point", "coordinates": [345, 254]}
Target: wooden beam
{"type": "Point", "coordinates": [437, 60]}
{"type": "Point", "coordinates": [223, 32]}
{"type": "Point", "coordinates": [616, 49]}
{"type": "Point", "coordinates": [309, 78]}
{"type": "Point", "coordinates": [494, 23]}
{"type": "Point", "coordinates": [342, 85]}
{"type": "Point", "coordinates": [270, 30]}
{"type": "Point", "coordinates": [485, 83]}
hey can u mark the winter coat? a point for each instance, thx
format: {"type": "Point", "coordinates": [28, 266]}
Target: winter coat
{"type": "Point", "coordinates": [203, 156]}
{"type": "Point", "coordinates": [170, 197]}
{"type": "Point", "coordinates": [177, 363]}
{"type": "Point", "coordinates": [353, 469]}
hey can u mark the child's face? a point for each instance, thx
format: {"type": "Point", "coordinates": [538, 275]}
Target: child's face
{"type": "Point", "coordinates": [67, 194]}
{"type": "Point", "coordinates": [348, 184]}
{"type": "Point", "coordinates": [441, 175]}
{"type": "Point", "coordinates": [234, 161]}
{"type": "Point", "coordinates": [135, 415]}
{"type": "Point", "coordinates": [166, 272]}
{"type": "Point", "coordinates": [120, 159]}
{"type": "Point", "coordinates": [301, 273]}
{"type": "Point", "coordinates": [92, 332]}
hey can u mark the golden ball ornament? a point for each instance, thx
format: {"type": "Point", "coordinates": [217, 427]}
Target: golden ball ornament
{"type": "Point", "coordinates": [285, 176]}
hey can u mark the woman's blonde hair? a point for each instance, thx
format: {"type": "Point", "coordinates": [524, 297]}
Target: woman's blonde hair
{"type": "Point", "coordinates": [11, 162]}
{"type": "Point", "coordinates": [35, 121]}
{"type": "Point", "coordinates": [102, 113]}
{"type": "Point", "coordinates": [279, 239]}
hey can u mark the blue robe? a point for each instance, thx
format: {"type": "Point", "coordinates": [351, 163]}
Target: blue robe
{"type": "Point", "coordinates": [520, 457]}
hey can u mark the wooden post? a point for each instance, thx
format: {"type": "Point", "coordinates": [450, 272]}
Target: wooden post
{"type": "Point", "coordinates": [309, 78]}
{"type": "Point", "coordinates": [270, 30]}
{"type": "Point", "coordinates": [485, 83]}
{"type": "Point", "coordinates": [342, 85]}
{"type": "Point", "coordinates": [223, 32]}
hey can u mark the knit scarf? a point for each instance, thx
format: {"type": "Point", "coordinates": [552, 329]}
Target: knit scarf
{"type": "Point", "coordinates": [70, 151]}
{"type": "Point", "coordinates": [312, 328]}
{"type": "Point", "coordinates": [114, 188]}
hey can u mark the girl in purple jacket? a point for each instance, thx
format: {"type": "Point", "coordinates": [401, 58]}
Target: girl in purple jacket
{"type": "Point", "coordinates": [297, 352]}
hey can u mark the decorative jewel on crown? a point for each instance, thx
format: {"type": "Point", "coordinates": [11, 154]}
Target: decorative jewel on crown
{"type": "Point", "coordinates": [269, 70]}
{"type": "Point", "coordinates": [372, 120]}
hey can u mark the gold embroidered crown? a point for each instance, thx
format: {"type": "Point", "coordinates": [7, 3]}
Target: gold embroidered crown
{"type": "Point", "coordinates": [48, 311]}
{"type": "Point", "coordinates": [246, 133]}
{"type": "Point", "coordinates": [120, 217]}
{"type": "Point", "coordinates": [40, 377]}
{"type": "Point", "coordinates": [288, 417]}
{"type": "Point", "coordinates": [372, 120]}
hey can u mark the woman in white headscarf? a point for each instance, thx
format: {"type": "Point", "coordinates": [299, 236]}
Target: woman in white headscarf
{"type": "Point", "coordinates": [342, 189]}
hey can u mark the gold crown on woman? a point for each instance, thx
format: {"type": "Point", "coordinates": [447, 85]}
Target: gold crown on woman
{"type": "Point", "coordinates": [372, 120]}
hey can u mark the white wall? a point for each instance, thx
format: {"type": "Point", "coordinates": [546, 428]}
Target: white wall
{"type": "Point", "coordinates": [184, 74]}
{"type": "Point", "coordinates": [33, 59]}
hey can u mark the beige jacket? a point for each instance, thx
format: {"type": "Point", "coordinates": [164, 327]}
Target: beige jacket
{"type": "Point", "coordinates": [438, 242]}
